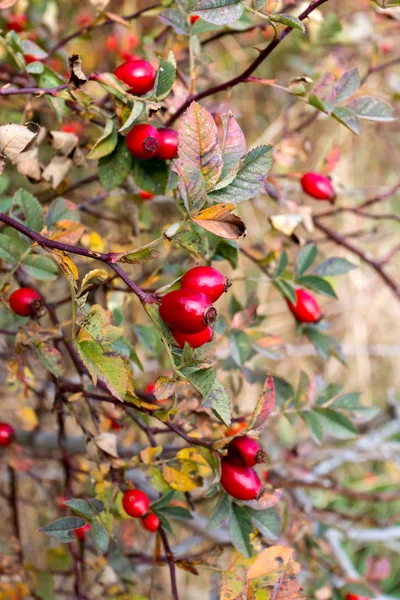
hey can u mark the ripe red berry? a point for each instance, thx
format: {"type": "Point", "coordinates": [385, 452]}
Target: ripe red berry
{"type": "Point", "coordinates": [145, 195]}
{"type": "Point", "coordinates": [30, 58]}
{"type": "Point", "coordinates": [138, 74]}
{"type": "Point", "coordinates": [149, 389]}
{"type": "Point", "coordinates": [242, 483]}
{"type": "Point", "coordinates": [245, 451]}
{"type": "Point", "coordinates": [187, 311]}
{"type": "Point", "coordinates": [168, 144]}
{"type": "Point", "coordinates": [72, 127]}
{"type": "Point", "coordinates": [356, 597]}
{"type": "Point", "coordinates": [194, 18]}
{"type": "Point", "coordinates": [82, 531]}
{"type": "Point", "coordinates": [25, 302]}
{"type": "Point", "coordinates": [7, 434]}
{"type": "Point", "coordinates": [206, 280]}
{"type": "Point", "coordinates": [306, 309]}
{"type": "Point", "coordinates": [151, 522]}
{"type": "Point", "coordinates": [135, 503]}
{"type": "Point", "coordinates": [84, 19]}
{"type": "Point", "coordinates": [195, 340]}
{"type": "Point", "coordinates": [112, 43]}
{"type": "Point", "coordinates": [61, 501]}
{"type": "Point", "coordinates": [318, 186]}
{"type": "Point", "coordinates": [17, 23]}
{"type": "Point", "coordinates": [143, 141]}
{"type": "Point", "coordinates": [115, 425]}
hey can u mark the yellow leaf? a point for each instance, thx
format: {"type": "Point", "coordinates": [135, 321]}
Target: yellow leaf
{"type": "Point", "coordinates": [195, 458]}
{"type": "Point", "coordinates": [149, 454]}
{"type": "Point", "coordinates": [219, 220]}
{"type": "Point", "coordinates": [93, 276]}
{"type": "Point", "coordinates": [66, 265]}
{"type": "Point", "coordinates": [178, 480]}
{"type": "Point", "coordinates": [271, 560]}
{"type": "Point", "coordinates": [28, 417]}
{"type": "Point", "coordinates": [93, 241]}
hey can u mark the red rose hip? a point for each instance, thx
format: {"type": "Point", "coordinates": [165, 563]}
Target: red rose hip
{"type": "Point", "coordinates": [195, 340]}
{"type": "Point", "coordinates": [138, 74]}
{"type": "Point", "coordinates": [187, 311]}
{"type": "Point", "coordinates": [245, 451]}
{"type": "Point", "coordinates": [242, 483]}
{"type": "Point", "coordinates": [318, 186]}
{"type": "Point", "coordinates": [7, 434]}
{"type": "Point", "coordinates": [73, 127]}
{"type": "Point", "coordinates": [356, 597]}
{"type": "Point", "coordinates": [206, 280]}
{"type": "Point", "coordinates": [306, 309]}
{"type": "Point", "coordinates": [151, 522]}
{"type": "Point", "coordinates": [135, 503]}
{"type": "Point", "coordinates": [82, 531]}
{"type": "Point", "coordinates": [143, 141]}
{"type": "Point", "coordinates": [25, 302]}
{"type": "Point", "coordinates": [168, 144]}
{"type": "Point", "coordinates": [145, 195]}
{"type": "Point", "coordinates": [17, 23]}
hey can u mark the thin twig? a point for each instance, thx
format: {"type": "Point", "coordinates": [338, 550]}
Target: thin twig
{"type": "Point", "coordinates": [171, 563]}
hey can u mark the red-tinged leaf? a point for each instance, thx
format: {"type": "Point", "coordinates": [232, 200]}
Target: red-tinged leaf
{"type": "Point", "coordinates": [219, 220]}
{"type": "Point", "coordinates": [267, 500]}
{"type": "Point", "coordinates": [264, 407]}
{"type": "Point", "coordinates": [378, 569]}
{"type": "Point", "coordinates": [288, 587]}
{"type": "Point", "coordinates": [234, 145]}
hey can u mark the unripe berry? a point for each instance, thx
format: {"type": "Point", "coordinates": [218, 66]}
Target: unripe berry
{"type": "Point", "coordinates": [25, 302]}
{"type": "Point", "coordinates": [306, 309]}
{"type": "Point", "coordinates": [151, 522]}
{"type": "Point", "coordinates": [139, 75]}
{"type": "Point", "coordinates": [318, 186]}
{"type": "Point", "coordinates": [187, 311]}
{"type": "Point", "coordinates": [356, 597]}
{"type": "Point", "coordinates": [206, 280]}
{"type": "Point", "coordinates": [143, 141]}
{"type": "Point", "coordinates": [135, 503]}
{"type": "Point", "coordinates": [7, 434]}
{"type": "Point", "coordinates": [245, 451]}
{"type": "Point", "coordinates": [195, 340]}
{"type": "Point", "coordinates": [145, 195]}
{"type": "Point", "coordinates": [82, 531]}
{"type": "Point", "coordinates": [193, 19]}
{"type": "Point", "coordinates": [17, 23]}
{"type": "Point", "coordinates": [242, 483]}
{"type": "Point", "coordinates": [168, 144]}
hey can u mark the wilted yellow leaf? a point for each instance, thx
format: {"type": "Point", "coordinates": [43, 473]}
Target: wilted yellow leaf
{"type": "Point", "coordinates": [271, 560]}
{"type": "Point", "coordinates": [178, 480]}
{"type": "Point", "coordinates": [149, 454]}
{"type": "Point", "coordinates": [196, 461]}
{"type": "Point", "coordinates": [219, 220]}
{"type": "Point", "coordinates": [28, 417]}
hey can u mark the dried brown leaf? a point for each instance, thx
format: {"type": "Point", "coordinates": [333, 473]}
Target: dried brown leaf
{"type": "Point", "coordinates": [77, 76]}
{"type": "Point", "coordinates": [219, 220]}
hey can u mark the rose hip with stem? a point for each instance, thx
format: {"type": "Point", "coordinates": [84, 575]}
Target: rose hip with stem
{"type": "Point", "coordinates": [139, 75]}
{"type": "Point", "coordinates": [306, 309]}
{"type": "Point", "coordinates": [187, 311]}
{"type": "Point", "coordinates": [207, 280]}
{"type": "Point", "coordinates": [318, 186]}
{"type": "Point", "coordinates": [26, 302]}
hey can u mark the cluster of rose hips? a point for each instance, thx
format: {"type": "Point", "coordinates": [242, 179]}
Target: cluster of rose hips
{"type": "Point", "coordinates": [136, 504]}
{"type": "Point", "coordinates": [145, 141]}
{"type": "Point", "coordinates": [189, 312]}
{"type": "Point", "coordinates": [238, 477]}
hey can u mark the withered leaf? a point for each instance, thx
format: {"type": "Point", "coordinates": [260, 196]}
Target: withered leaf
{"type": "Point", "coordinates": [219, 220]}
{"type": "Point", "coordinates": [77, 76]}
{"type": "Point", "coordinates": [63, 142]}
{"type": "Point", "coordinates": [15, 139]}
{"type": "Point", "coordinates": [288, 587]}
{"type": "Point", "coordinates": [57, 169]}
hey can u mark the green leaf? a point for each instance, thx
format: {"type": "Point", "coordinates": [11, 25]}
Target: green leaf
{"type": "Point", "coordinates": [267, 522]}
{"type": "Point", "coordinates": [240, 347]}
{"type": "Point", "coordinates": [305, 259]}
{"type": "Point", "coordinates": [136, 112]}
{"type": "Point", "coordinates": [250, 178]}
{"type": "Point", "coordinates": [351, 403]}
{"type": "Point", "coordinates": [106, 142]}
{"type": "Point", "coordinates": [336, 424]}
{"type": "Point", "coordinates": [345, 87]}
{"type": "Point", "coordinates": [40, 267]}
{"type": "Point", "coordinates": [371, 109]}
{"type": "Point", "coordinates": [31, 208]}
{"type": "Point", "coordinates": [149, 338]}
{"type": "Point", "coordinates": [348, 118]}
{"type": "Point", "coordinates": [334, 266]}
{"type": "Point", "coordinates": [163, 501]}
{"type": "Point", "coordinates": [219, 12]}
{"type": "Point", "coordinates": [201, 379]}
{"type": "Point", "coordinates": [81, 507]}
{"type": "Point", "coordinates": [199, 145]}
{"type": "Point", "coordinates": [60, 529]}
{"type": "Point", "coordinates": [61, 210]}
{"type": "Point", "coordinates": [151, 175]}
{"type": "Point", "coordinates": [106, 364]}
{"type": "Point", "coordinates": [140, 255]}
{"type": "Point", "coordinates": [317, 284]}
{"type": "Point", "coordinates": [327, 393]}
{"type": "Point", "coordinates": [289, 21]}
{"type": "Point", "coordinates": [221, 514]}
{"type": "Point", "coordinates": [324, 344]}
{"type": "Point", "coordinates": [227, 250]}
{"type": "Point", "coordinates": [100, 536]}
{"type": "Point", "coordinates": [191, 241]}
{"type": "Point", "coordinates": [176, 512]}
{"type": "Point", "coordinates": [165, 77]}
{"type": "Point", "coordinates": [175, 19]}
{"type": "Point", "coordinates": [9, 251]}
{"type": "Point", "coordinates": [50, 357]}
{"type": "Point", "coordinates": [219, 402]}
{"type": "Point", "coordinates": [240, 530]}
{"type": "Point", "coordinates": [282, 264]}
{"type": "Point", "coordinates": [286, 289]}
{"type": "Point", "coordinates": [314, 425]}
{"type": "Point", "coordinates": [316, 102]}
{"type": "Point", "coordinates": [114, 168]}
{"type": "Point", "coordinates": [233, 146]}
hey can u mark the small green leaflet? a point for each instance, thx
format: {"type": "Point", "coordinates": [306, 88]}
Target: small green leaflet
{"type": "Point", "coordinates": [305, 259]}
{"type": "Point", "coordinates": [219, 12]}
{"type": "Point", "coordinates": [165, 77]}
{"type": "Point", "coordinates": [60, 529]}
{"type": "Point", "coordinates": [289, 21]}
{"type": "Point", "coordinates": [106, 142]}
{"type": "Point", "coordinates": [31, 208]}
{"type": "Point", "coordinates": [114, 168]}
{"type": "Point", "coordinates": [240, 530]}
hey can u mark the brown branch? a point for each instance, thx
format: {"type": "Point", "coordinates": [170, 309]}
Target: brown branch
{"type": "Point", "coordinates": [171, 563]}
{"type": "Point", "coordinates": [13, 502]}
{"type": "Point", "coordinates": [243, 77]}
{"type": "Point", "coordinates": [33, 90]}
{"type": "Point", "coordinates": [341, 240]}
{"type": "Point", "coordinates": [379, 68]}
